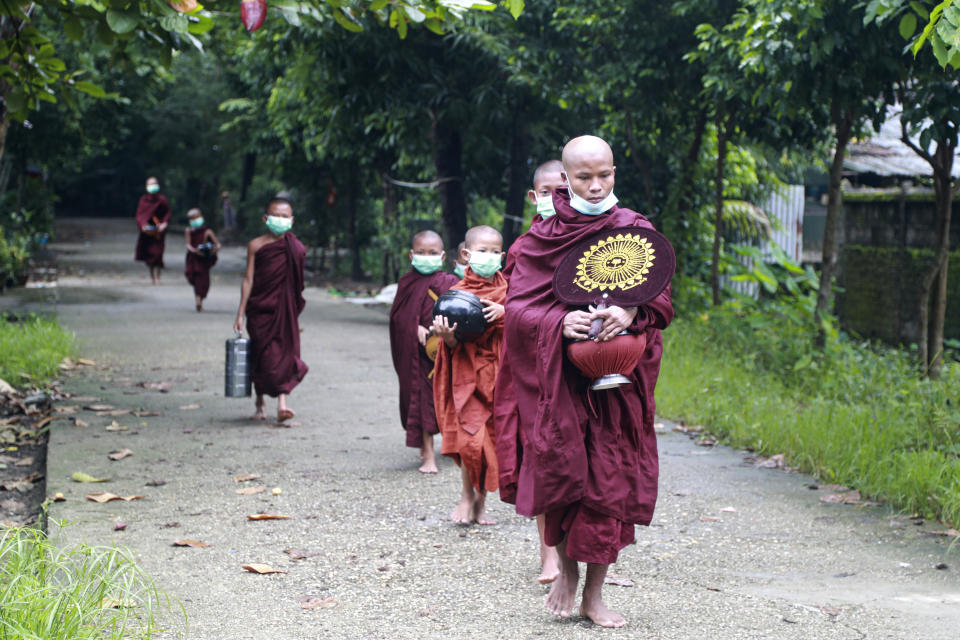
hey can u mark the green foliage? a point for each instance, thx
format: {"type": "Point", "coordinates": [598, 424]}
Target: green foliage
{"type": "Point", "coordinates": [50, 592]}
{"type": "Point", "coordinates": [32, 349]}
{"type": "Point", "coordinates": [941, 32]}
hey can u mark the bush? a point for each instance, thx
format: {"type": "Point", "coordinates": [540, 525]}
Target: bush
{"type": "Point", "coordinates": [33, 346]}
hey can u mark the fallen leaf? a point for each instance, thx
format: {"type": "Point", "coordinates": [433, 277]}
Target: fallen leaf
{"type": "Point", "coordinates": [685, 429]}
{"type": "Point", "coordinates": [170, 525]}
{"type": "Point", "coordinates": [58, 497]}
{"type": "Point", "coordinates": [162, 387]}
{"type": "Point", "coordinates": [86, 362]}
{"type": "Point", "coordinates": [189, 543]}
{"type": "Point", "coordinates": [300, 554]}
{"type": "Point", "coordinates": [773, 462]}
{"type": "Point", "coordinates": [24, 462]}
{"type": "Point", "coordinates": [261, 568]}
{"type": "Point", "coordinates": [249, 491]}
{"type": "Point", "coordinates": [8, 421]}
{"type": "Point", "coordinates": [709, 519]}
{"type": "Point", "coordinates": [145, 414]}
{"type": "Point", "coordinates": [106, 496]}
{"type": "Point", "coordinates": [155, 483]}
{"type": "Point", "coordinates": [728, 510]}
{"type": "Point", "coordinates": [113, 412]}
{"type": "Point", "coordinates": [77, 422]}
{"type": "Point", "coordinates": [67, 409]}
{"type": "Point", "coordinates": [705, 442]}
{"type": "Point", "coordinates": [120, 526]}
{"type": "Point", "coordinates": [67, 364]}
{"type": "Point", "coordinates": [120, 455]}
{"type": "Point", "coordinates": [268, 516]}
{"type": "Point", "coordinates": [246, 477]}
{"type": "Point", "coordinates": [99, 407]}
{"type": "Point", "coordinates": [23, 485]}
{"type": "Point", "coordinates": [950, 533]}
{"type": "Point", "coordinates": [80, 476]}
{"type": "Point", "coordinates": [115, 426]}
{"type": "Point", "coordinates": [315, 602]}
{"type": "Point", "coordinates": [39, 424]}
{"type": "Point", "coordinates": [613, 578]}
{"type": "Point", "coordinates": [85, 399]}
{"type": "Point", "coordinates": [189, 407]}
{"type": "Point", "coordinates": [850, 497]}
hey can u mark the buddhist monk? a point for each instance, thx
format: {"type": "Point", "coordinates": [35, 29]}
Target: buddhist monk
{"type": "Point", "coordinates": [547, 177]}
{"type": "Point", "coordinates": [460, 262]}
{"type": "Point", "coordinates": [271, 298]}
{"type": "Point", "coordinates": [199, 260]}
{"type": "Point", "coordinates": [410, 319]}
{"type": "Point", "coordinates": [465, 375]}
{"type": "Point", "coordinates": [589, 465]}
{"type": "Point", "coordinates": [153, 216]}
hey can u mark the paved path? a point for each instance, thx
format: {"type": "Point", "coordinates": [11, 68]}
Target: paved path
{"type": "Point", "coordinates": [783, 566]}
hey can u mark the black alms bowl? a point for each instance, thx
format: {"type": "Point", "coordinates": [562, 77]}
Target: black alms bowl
{"type": "Point", "coordinates": [466, 310]}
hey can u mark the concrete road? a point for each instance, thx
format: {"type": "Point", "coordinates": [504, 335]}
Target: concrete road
{"type": "Point", "coordinates": [780, 565]}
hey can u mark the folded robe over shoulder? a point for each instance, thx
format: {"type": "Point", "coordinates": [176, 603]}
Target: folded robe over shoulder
{"type": "Point", "coordinates": [153, 208]}
{"type": "Point", "coordinates": [413, 307]}
{"type": "Point", "coordinates": [197, 267]}
{"type": "Point", "coordinates": [273, 309]}
{"type": "Point", "coordinates": [463, 385]}
{"type": "Point", "coordinates": [557, 455]}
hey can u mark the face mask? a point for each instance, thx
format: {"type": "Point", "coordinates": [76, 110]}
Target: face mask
{"type": "Point", "coordinates": [484, 264]}
{"type": "Point", "coordinates": [589, 208]}
{"type": "Point", "coordinates": [458, 269]}
{"type": "Point", "coordinates": [427, 264]}
{"type": "Point", "coordinates": [278, 225]}
{"type": "Point", "coordinates": [545, 206]}
{"type": "Point", "coordinates": [196, 223]}
{"type": "Point", "coordinates": [153, 188]}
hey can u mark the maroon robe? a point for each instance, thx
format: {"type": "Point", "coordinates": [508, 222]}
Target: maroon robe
{"type": "Point", "coordinates": [197, 268]}
{"type": "Point", "coordinates": [275, 303]}
{"type": "Point", "coordinates": [413, 307]}
{"type": "Point", "coordinates": [592, 471]}
{"type": "Point", "coordinates": [153, 208]}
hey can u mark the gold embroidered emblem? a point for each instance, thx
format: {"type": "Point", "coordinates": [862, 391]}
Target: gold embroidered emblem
{"type": "Point", "coordinates": [618, 262]}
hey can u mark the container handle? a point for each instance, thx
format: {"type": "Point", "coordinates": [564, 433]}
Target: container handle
{"type": "Point", "coordinates": [239, 334]}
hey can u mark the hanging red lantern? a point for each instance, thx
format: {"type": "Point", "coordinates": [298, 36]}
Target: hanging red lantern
{"type": "Point", "coordinates": [253, 13]}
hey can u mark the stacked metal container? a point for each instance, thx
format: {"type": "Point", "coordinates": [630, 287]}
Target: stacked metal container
{"type": "Point", "coordinates": [237, 371]}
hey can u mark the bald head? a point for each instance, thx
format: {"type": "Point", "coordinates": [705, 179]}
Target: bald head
{"type": "Point", "coordinates": [546, 178]}
{"type": "Point", "coordinates": [427, 243]}
{"type": "Point", "coordinates": [588, 167]}
{"type": "Point", "coordinates": [482, 235]}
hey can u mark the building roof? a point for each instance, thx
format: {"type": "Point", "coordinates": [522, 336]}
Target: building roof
{"type": "Point", "coordinates": [884, 154]}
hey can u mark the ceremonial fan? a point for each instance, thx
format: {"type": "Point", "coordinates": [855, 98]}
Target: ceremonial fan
{"type": "Point", "coordinates": [626, 267]}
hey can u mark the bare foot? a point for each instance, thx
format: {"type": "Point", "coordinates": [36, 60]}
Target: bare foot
{"type": "Point", "coordinates": [461, 514]}
{"type": "Point", "coordinates": [563, 593]}
{"type": "Point", "coordinates": [429, 466]}
{"type": "Point", "coordinates": [260, 414]}
{"type": "Point", "coordinates": [478, 513]}
{"type": "Point", "coordinates": [600, 614]}
{"type": "Point", "coordinates": [284, 414]}
{"type": "Point", "coordinates": [550, 567]}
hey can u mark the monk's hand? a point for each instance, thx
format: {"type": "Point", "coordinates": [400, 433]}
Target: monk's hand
{"type": "Point", "coordinates": [238, 325]}
{"type": "Point", "coordinates": [443, 330]}
{"type": "Point", "coordinates": [422, 333]}
{"type": "Point", "coordinates": [615, 320]}
{"type": "Point", "coordinates": [576, 325]}
{"type": "Point", "coordinates": [491, 310]}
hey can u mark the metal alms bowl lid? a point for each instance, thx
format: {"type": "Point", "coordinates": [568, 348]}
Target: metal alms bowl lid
{"type": "Point", "coordinates": [466, 310]}
{"type": "Point", "coordinates": [632, 265]}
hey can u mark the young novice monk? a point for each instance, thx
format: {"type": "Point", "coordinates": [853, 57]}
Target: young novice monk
{"type": "Point", "coordinates": [460, 263]}
{"type": "Point", "coordinates": [271, 296]}
{"type": "Point", "coordinates": [410, 319]}
{"type": "Point", "coordinates": [589, 465]}
{"type": "Point", "coordinates": [153, 216]}
{"type": "Point", "coordinates": [198, 262]}
{"type": "Point", "coordinates": [465, 375]}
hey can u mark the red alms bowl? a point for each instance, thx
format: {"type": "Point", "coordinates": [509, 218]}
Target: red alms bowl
{"type": "Point", "coordinates": [608, 363]}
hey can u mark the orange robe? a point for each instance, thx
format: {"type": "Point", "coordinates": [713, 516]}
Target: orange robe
{"type": "Point", "coordinates": [463, 384]}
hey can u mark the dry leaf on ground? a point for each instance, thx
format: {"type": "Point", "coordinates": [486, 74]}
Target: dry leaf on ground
{"type": "Point", "coordinates": [67, 409]}
{"type": "Point", "coordinates": [77, 422]}
{"type": "Point", "coordinates": [99, 407]}
{"type": "Point", "coordinates": [189, 407]}
{"type": "Point", "coordinates": [246, 477]}
{"type": "Point", "coordinates": [146, 414]}
{"type": "Point", "coordinates": [106, 496]}
{"type": "Point", "coordinates": [39, 424]}
{"type": "Point", "coordinates": [268, 516]}
{"type": "Point", "coordinates": [850, 497]}
{"type": "Point", "coordinates": [80, 476]}
{"type": "Point", "coordinates": [120, 526]}
{"type": "Point", "coordinates": [190, 543]}
{"type": "Point", "coordinates": [113, 412]}
{"type": "Point", "coordinates": [87, 362]}
{"type": "Point", "coordinates": [116, 426]}
{"type": "Point", "coordinates": [23, 485]}
{"type": "Point", "coordinates": [85, 399]}
{"type": "Point", "coordinates": [162, 387]}
{"type": "Point", "coordinates": [249, 491]}
{"type": "Point", "coordinates": [113, 603]}
{"type": "Point", "coordinates": [773, 462]}
{"type": "Point", "coordinates": [728, 510]}
{"type": "Point", "coordinates": [120, 455]}
{"type": "Point", "coordinates": [256, 567]}
{"type": "Point", "coordinates": [58, 497]}
{"type": "Point", "coordinates": [620, 581]}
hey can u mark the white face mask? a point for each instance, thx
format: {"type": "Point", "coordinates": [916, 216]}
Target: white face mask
{"type": "Point", "coordinates": [545, 206]}
{"type": "Point", "coordinates": [589, 208]}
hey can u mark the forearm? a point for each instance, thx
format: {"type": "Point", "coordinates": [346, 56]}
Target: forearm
{"type": "Point", "coordinates": [245, 287]}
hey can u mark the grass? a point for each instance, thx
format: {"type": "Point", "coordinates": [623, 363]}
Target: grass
{"type": "Point", "coordinates": [81, 592]}
{"type": "Point", "coordinates": [857, 415]}
{"type": "Point", "coordinates": [31, 349]}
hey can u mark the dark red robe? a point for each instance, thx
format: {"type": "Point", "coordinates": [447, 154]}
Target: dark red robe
{"type": "Point", "coordinates": [275, 303]}
{"type": "Point", "coordinates": [463, 384]}
{"type": "Point", "coordinates": [593, 472]}
{"type": "Point", "coordinates": [153, 208]}
{"type": "Point", "coordinates": [413, 307]}
{"type": "Point", "coordinates": [198, 266]}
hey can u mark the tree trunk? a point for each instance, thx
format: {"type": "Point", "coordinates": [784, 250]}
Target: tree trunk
{"type": "Point", "coordinates": [518, 180]}
{"type": "Point", "coordinates": [389, 273]}
{"type": "Point", "coordinates": [249, 170]}
{"type": "Point", "coordinates": [723, 123]}
{"type": "Point", "coordinates": [447, 158]}
{"type": "Point", "coordinates": [842, 118]}
{"type": "Point", "coordinates": [353, 202]}
{"type": "Point", "coordinates": [679, 199]}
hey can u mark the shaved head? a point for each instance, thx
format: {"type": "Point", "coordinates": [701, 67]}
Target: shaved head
{"type": "Point", "coordinates": [193, 213]}
{"type": "Point", "coordinates": [588, 168]}
{"type": "Point", "coordinates": [482, 234]}
{"type": "Point", "coordinates": [548, 167]}
{"type": "Point", "coordinates": [428, 235]}
{"type": "Point", "coordinates": [586, 148]}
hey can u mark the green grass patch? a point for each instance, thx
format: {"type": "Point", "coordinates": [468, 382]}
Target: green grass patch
{"type": "Point", "coordinates": [856, 414]}
{"type": "Point", "coordinates": [51, 593]}
{"type": "Point", "coordinates": [33, 346]}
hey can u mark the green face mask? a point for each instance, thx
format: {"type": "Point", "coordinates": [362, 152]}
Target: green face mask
{"type": "Point", "coordinates": [427, 264]}
{"type": "Point", "coordinates": [459, 269]}
{"type": "Point", "coordinates": [484, 264]}
{"type": "Point", "coordinates": [196, 223]}
{"type": "Point", "coordinates": [153, 188]}
{"type": "Point", "coordinates": [279, 226]}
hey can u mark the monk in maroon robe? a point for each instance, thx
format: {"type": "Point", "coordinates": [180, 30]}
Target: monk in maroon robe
{"type": "Point", "coordinates": [590, 466]}
{"type": "Point", "coordinates": [410, 318]}
{"type": "Point", "coordinates": [271, 298]}
{"type": "Point", "coordinates": [153, 216]}
{"type": "Point", "coordinates": [202, 248]}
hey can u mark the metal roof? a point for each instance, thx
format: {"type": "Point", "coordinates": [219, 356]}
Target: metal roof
{"type": "Point", "coordinates": [884, 154]}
